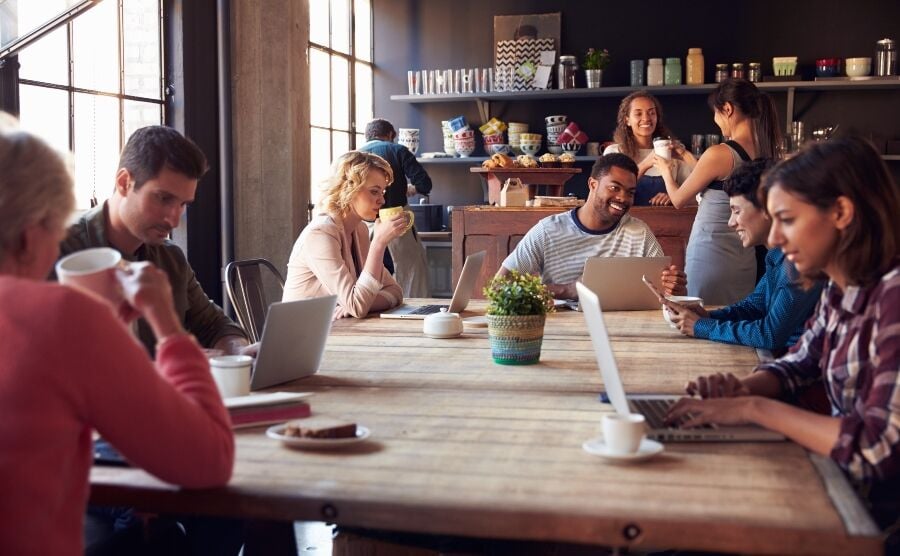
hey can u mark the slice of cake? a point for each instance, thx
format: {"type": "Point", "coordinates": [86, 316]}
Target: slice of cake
{"type": "Point", "coordinates": [320, 426]}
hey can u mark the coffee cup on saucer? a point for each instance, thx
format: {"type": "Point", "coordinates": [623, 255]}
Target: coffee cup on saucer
{"type": "Point", "coordinates": [623, 434]}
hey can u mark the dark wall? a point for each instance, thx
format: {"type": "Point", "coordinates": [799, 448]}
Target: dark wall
{"type": "Point", "coordinates": [432, 34]}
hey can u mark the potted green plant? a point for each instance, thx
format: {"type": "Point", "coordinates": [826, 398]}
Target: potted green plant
{"type": "Point", "coordinates": [595, 61]}
{"type": "Point", "coordinates": [517, 308]}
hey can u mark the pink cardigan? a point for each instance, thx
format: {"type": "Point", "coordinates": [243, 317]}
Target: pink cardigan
{"type": "Point", "coordinates": [69, 366]}
{"type": "Point", "coordinates": [321, 264]}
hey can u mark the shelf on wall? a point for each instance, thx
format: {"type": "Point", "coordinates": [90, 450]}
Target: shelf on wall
{"type": "Point", "coordinates": [891, 156]}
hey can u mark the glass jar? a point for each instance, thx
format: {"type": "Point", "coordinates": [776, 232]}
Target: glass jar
{"type": "Point", "coordinates": [694, 75]}
{"type": "Point", "coordinates": [565, 72]}
{"type": "Point", "coordinates": [721, 72]}
{"type": "Point", "coordinates": [737, 71]}
{"type": "Point", "coordinates": [754, 74]}
{"type": "Point", "coordinates": [655, 72]}
{"type": "Point", "coordinates": [886, 57]}
{"type": "Point", "coordinates": [673, 71]}
{"type": "Point", "coordinates": [637, 73]}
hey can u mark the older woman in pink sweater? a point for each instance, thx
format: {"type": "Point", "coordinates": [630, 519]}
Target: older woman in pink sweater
{"type": "Point", "coordinates": [69, 365]}
{"type": "Point", "coordinates": [333, 255]}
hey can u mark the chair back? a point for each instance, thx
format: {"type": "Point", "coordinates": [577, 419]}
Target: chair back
{"type": "Point", "coordinates": [246, 288]}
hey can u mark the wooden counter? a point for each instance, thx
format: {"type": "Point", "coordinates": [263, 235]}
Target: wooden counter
{"type": "Point", "coordinates": [498, 230]}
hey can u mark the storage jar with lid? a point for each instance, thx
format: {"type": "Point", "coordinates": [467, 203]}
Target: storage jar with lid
{"type": "Point", "coordinates": [737, 71]}
{"type": "Point", "coordinates": [655, 72]}
{"type": "Point", "coordinates": [754, 74]}
{"type": "Point", "coordinates": [721, 72]}
{"type": "Point", "coordinates": [673, 71]}
{"type": "Point", "coordinates": [886, 57]}
{"type": "Point", "coordinates": [566, 71]}
{"type": "Point", "coordinates": [694, 75]}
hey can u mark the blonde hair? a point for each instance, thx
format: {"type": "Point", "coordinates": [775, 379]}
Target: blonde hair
{"type": "Point", "coordinates": [35, 183]}
{"type": "Point", "coordinates": [348, 175]}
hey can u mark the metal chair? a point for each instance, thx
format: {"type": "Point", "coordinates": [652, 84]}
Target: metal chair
{"type": "Point", "coordinates": [246, 290]}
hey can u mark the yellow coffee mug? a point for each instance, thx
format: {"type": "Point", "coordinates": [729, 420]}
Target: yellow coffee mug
{"type": "Point", "coordinates": [386, 214]}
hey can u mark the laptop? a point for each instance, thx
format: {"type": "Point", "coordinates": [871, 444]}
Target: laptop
{"type": "Point", "coordinates": [652, 407]}
{"type": "Point", "coordinates": [293, 340]}
{"type": "Point", "coordinates": [617, 281]}
{"type": "Point", "coordinates": [461, 295]}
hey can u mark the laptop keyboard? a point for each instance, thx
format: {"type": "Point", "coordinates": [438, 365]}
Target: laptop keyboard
{"type": "Point", "coordinates": [428, 309]}
{"type": "Point", "coordinates": [655, 410]}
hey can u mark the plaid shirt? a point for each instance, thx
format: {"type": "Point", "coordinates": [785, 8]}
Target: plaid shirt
{"type": "Point", "coordinates": [853, 342]}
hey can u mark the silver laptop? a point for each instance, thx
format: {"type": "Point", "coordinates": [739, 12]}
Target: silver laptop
{"type": "Point", "coordinates": [461, 295]}
{"type": "Point", "coordinates": [652, 407]}
{"type": "Point", "coordinates": [293, 340]}
{"type": "Point", "coordinates": [617, 281]}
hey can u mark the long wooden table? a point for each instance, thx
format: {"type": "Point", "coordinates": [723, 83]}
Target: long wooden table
{"type": "Point", "coordinates": [462, 446]}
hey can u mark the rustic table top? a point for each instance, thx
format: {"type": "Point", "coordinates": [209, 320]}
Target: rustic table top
{"type": "Point", "coordinates": [463, 446]}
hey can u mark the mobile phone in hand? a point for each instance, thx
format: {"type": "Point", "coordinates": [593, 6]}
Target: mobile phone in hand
{"type": "Point", "coordinates": [659, 295]}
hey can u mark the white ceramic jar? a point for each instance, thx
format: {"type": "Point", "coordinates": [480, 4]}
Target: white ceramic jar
{"type": "Point", "coordinates": [655, 72]}
{"type": "Point", "coordinates": [442, 325]}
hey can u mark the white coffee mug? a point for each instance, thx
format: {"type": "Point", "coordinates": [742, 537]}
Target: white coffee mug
{"type": "Point", "coordinates": [93, 271]}
{"type": "Point", "coordinates": [232, 374]}
{"type": "Point", "coordinates": [623, 434]}
{"type": "Point", "coordinates": [663, 148]}
{"type": "Point", "coordinates": [686, 300]}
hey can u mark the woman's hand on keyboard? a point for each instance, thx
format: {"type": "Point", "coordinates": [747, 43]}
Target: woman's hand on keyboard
{"type": "Point", "coordinates": [717, 386]}
{"type": "Point", "coordinates": [691, 412]}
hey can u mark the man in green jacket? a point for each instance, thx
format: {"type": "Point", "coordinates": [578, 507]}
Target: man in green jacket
{"type": "Point", "coordinates": [157, 178]}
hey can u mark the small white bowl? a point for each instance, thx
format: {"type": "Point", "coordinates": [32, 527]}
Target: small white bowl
{"type": "Point", "coordinates": [857, 67]}
{"type": "Point", "coordinates": [442, 325]}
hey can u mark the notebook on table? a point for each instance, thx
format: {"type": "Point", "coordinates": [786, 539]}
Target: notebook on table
{"type": "Point", "coordinates": [617, 281]}
{"type": "Point", "coordinates": [652, 407]}
{"type": "Point", "coordinates": [461, 295]}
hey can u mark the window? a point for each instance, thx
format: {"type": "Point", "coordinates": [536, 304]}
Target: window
{"type": "Point", "coordinates": [340, 78]}
{"type": "Point", "coordinates": [86, 86]}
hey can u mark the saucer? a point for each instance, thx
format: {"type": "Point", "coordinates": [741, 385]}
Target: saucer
{"type": "Point", "coordinates": [479, 321]}
{"type": "Point", "coordinates": [277, 432]}
{"type": "Point", "coordinates": [647, 449]}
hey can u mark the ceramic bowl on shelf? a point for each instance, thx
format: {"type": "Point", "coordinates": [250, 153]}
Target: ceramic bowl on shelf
{"type": "Point", "coordinates": [571, 147]}
{"type": "Point", "coordinates": [828, 67]}
{"type": "Point", "coordinates": [530, 148]}
{"type": "Point", "coordinates": [499, 148]}
{"type": "Point", "coordinates": [784, 65]}
{"type": "Point", "coordinates": [555, 149]}
{"type": "Point", "coordinates": [857, 67]}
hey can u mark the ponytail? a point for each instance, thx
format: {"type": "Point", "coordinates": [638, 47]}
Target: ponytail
{"type": "Point", "coordinates": [756, 105]}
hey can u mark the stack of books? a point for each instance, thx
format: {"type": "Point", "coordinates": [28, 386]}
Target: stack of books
{"type": "Point", "coordinates": [265, 409]}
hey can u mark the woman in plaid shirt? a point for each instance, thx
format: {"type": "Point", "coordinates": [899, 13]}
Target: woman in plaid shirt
{"type": "Point", "coordinates": [836, 214]}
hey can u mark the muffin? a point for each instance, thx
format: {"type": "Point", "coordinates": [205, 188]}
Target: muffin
{"type": "Point", "coordinates": [549, 160]}
{"type": "Point", "coordinates": [567, 160]}
{"type": "Point", "coordinates": [526, 161]}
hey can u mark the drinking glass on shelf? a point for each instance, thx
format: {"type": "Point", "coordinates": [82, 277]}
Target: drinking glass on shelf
{"type": "Point", "coordinates": [431, 82]}
{"type": "Point", "coordinates": [697, 144]}
{"type": "Point", "coordinates": [411, 81]}
{"type": "Point", "coordinates": [420, 86]}
{"type": "Point", "coordinates": [712, 139]}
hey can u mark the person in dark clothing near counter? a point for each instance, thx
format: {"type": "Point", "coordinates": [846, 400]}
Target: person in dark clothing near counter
{"type": "Point", "coordinates": [406, 252]}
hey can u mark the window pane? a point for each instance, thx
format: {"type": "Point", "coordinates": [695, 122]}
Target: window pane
{"type": "Point", "coordinates": [320, 157]}
{"type": "Point", "coordinates": [319, 88]}
{"type": "Point", "coordinates": [96, 146]}
{"type": "Point", "coordinates": [28, 15]}
{"type": "Point", "coordinates": [360, 140]}
{"type": "Point", "coordinates": [47, 59]}
{"type": "Point", "coordinates": [340, 93]}
{"type": "Point", "coordinates": [140, 114]}
{"type": "Point", "coordinates": [45, 112]}
{"type": "Point", "coordinates": [340, 143]}
{"type": "Point", "coordinates": [363, 28]}
{"type": "Point", "coordinates": [96, 48]}
{"type": "Point", "coordinates": [363, 95]}
{"type": "Point", "coordinates": [340, 25]}
{"type": "Point", "coordinates": [142, 65]}
{"type": "Point", "coordinates": [318, 22]}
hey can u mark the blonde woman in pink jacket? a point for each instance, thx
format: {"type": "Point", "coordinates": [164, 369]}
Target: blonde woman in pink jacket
{"type": "Point", "coordinates": [333, 255]}
{"type": "Point", "coordinates": [69, 365]}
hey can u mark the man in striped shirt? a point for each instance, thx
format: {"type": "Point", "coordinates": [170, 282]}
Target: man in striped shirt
{"type": "Point", "coordinates": [557, 247]}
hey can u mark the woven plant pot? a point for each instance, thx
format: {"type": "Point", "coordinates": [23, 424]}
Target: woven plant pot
{"type": "Point", "coordinates": [516, 339]}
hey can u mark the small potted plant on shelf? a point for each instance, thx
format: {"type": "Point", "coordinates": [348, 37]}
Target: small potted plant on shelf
{"type": "Point", "coordinates": [517, 308]}
{"type": "Point", "coordinates": [595, 61]}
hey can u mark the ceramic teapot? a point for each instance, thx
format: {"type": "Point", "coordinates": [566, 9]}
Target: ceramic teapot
{"type": "Point", "coordinates": [442, 325]}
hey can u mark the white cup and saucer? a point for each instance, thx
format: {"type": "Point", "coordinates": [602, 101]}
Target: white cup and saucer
{"type": "Point", "coordinates": [624, 440]}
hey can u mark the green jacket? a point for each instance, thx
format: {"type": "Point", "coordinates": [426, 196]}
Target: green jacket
{"type": "Point", "coordinates": [200, 316]}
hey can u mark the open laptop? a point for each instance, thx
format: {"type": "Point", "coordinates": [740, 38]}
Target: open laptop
{"type": "Point", "coordinates": [617, 281]}
{"type": "Point", "coordinates": [652, 407]}
{"type": "Point", "coordinates": [293, 340]}
{"type": "Point", "coordinates": [461, 295]}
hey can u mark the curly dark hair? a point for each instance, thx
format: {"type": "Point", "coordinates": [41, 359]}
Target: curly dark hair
{"type": "Point", "coordinates": [623, 134]}
{"type": "Point", "coordinates": [379, 128]}
{"type": "Point", "coordinates": [744, 181]}
{"type": "Point", "coordinates": [606, 162]}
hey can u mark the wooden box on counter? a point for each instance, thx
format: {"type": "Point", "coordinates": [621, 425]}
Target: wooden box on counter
{"type": "Point", "coordinates": [498, 230]}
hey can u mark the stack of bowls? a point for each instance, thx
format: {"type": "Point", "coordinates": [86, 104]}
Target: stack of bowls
{"type": "Point", "coordinates": [492, 140]}
{"type": "Point", "coordinates": [492, 131]}
{"type": "Point", "coordinates": [409, 138]}
{"type": "Point", "coordinates": [464, 141]}
{"type": "Point", "coordinates": [571, 138]}
{"type": "Point", "coordinates": [530, 143]}
{"type": "Point", "coordinates": [516, 129]}
{"type": "Point", "coordinates": [555, 125]}
{"type": "Point", "coordinates": [449, 146]}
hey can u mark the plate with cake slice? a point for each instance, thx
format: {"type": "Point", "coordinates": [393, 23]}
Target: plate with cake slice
{"type": "Point", "coordinates": [318, 432]}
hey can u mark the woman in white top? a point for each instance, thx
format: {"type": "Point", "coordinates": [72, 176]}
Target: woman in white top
{"type": "Point", "coordinates": [639, 121]}
{"type": "Point", "coordinates": [333, 255]}
{"type": "Point", "coordinates": [719, 269]}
